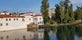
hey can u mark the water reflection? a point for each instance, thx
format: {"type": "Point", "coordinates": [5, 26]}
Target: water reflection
{"type": "Point", "coordinates": [46, 36]}
{"type": "Point", "coordinates": [21, 34]}
{"type": "Point", "coordinates": [67, 32]}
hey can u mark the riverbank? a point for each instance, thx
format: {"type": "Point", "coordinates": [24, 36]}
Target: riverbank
{"type": "Point", "coordinates": [63, 24]}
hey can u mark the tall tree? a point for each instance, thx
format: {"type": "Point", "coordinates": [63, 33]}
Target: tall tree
{"type": "Point", "coordinates": [66, 3]}
{"type": "Point", "coordinates": [57, 13]}
{"type": "Point", "coordinates": [62, 14]}
{"type": "Point", "coordinates": [44, 10]}
{"type": "Point", "coordinates": [71, 13]}
{"type": "Point", "coordinates": [78, 13]}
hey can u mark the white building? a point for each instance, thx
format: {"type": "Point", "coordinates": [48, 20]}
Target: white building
{"type": "Point", "coordinates": [38, 19]}
{"type": "Point", "coordinates": [51, 12]}
{"type": "Point", "coordinates": [10, 22]}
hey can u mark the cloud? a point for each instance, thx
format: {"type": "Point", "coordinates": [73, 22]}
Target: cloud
{"type": "Point", "coordinates": [76, 1]}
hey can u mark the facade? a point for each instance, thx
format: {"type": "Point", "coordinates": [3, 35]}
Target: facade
{"type": "Point", "coordinates": [16, 21]}
{"type": "Point", "coordinates": [38, 19]}
{"type": "Point", "coordinates": [51, 12]}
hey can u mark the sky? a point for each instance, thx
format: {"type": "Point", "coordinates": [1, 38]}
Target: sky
{"type": "Point", "coordinates": [30, 5]}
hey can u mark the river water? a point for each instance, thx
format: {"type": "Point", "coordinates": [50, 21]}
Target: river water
{"type": "Point", "coordinates": [59, 33]}
{"type": "Point", "coordinates": [54, 37]}
{"type": "Point", "coordinates": [70, 32]}
{"type": "Point", "coordinates": [21, 34]}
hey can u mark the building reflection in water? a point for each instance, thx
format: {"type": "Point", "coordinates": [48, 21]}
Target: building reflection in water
{"type": "Point", "coordinates": [21, 34]}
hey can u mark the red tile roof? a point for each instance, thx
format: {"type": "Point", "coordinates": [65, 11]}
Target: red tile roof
{"type": "Point", "coordinates": [9, 16]}
{"type": "Point", "coordinates": [37, 15]}
{"type": "Point", "coordinates": [29, 12]}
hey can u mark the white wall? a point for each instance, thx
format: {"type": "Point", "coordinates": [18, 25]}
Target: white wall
{"type": "Point", "coordinates": [15, 24]}
{"type": "Point", "coordinates": [18, 24]}
{"type": "Point", "coordinates": [39, 20]}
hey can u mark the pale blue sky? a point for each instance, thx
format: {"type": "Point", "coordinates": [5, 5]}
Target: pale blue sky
{"type": "Point", "coordinates": [29, 5]}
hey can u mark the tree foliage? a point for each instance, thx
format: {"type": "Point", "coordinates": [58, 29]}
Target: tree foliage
{"type": "Point", "coordinates": [44, 10]}
{"type": "Point", "coordinates": [78, 13]}
{"type": "Point", "coordinates": [57, 13]}
{"type": "Point", "coordinates": [62, 11]}
{"type": "Point", "coordinates": [71, 13]}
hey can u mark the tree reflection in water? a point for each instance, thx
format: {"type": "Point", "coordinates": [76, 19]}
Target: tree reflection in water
{"type": "Point", "coordinates": [65, 32]}
{"type": "Point", "coordinates": [79, 30]}
{"type": "Point", "coordinates": [68, 32]}
{"type": "Point", "coordinates": [46, 35]}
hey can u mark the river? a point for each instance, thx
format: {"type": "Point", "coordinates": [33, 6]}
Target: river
{"type": "Point", "coordinates": [66, 32]}
{"type": "Point", "coordinates": [21, 34]}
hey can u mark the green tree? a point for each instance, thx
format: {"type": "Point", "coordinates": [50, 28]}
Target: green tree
{"type": "Point", "coordinates": [62, 11]}
{"type": "Point", "coordinates": [67, 18]}
{"type": "Point", "coordinates": [78, 13]}
{"type": "Point", "coordinates": [44, 10]}
{"type": "Point", "coordinates": [57, 13]}
{"type": "Point", "coordinates": [61, 14]}
{"type": "Point", "coordinates": [46, 35]}
{"type": "Point", "coordinates": [71, 13]}
{"type": "Point", "coordinates": [66, 3]}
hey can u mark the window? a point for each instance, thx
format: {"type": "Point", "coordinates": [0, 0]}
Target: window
{"type": "Point", "coordinates": [9, 19]}
{"type": "Point", "coordinates": [6, 24]}
{"type": "Point", "coordinates": [7, 37]}
{"type": "Point", "coordinates": [38, 22]}
{"type": "Point", "coordinates": [29, 18]}
{"type": "Point", "coordinates": [40, 35]}
{"type": "Point", "coordinates": [23, 19]}
{"type": "Point", "coordinates": [0, 24]}
{"type": "Point", "coordinates": [42, 22]}
{"type": "Point", "coordinates": [23, 36]}
{"type": "Point", "coordinates": [14, 19]}
{"type": "Point", "coordinates": [40, 18]}
{"type": "Point", "coordinates": [17, 19]}
{"type": "Point", "coordinates": [30, 35]}
{"type": "Point", "coordinates": [35, 19]}
{"type": "Point", "coordinates": [1, 38]}
{"type": "Point", "coordinates": [6, 19]}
